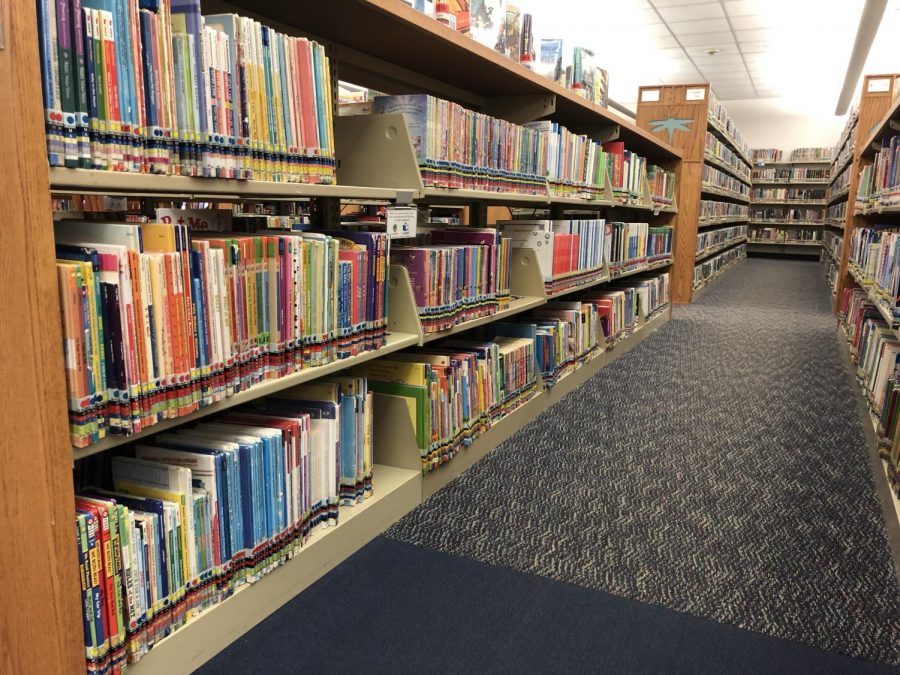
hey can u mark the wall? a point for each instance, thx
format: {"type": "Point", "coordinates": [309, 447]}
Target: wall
{"type": "Point", "coordinates": [785, 123]}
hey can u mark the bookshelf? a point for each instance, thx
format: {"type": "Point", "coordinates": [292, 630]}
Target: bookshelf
{"type": "Point", "coordinates": [683, 115]}
{"type": "Point", "coordinates": [376, 164]}
{"type": "Point", "coordinates": [773, 184]}
{"type": "Point", "coordinates": [877, 104]}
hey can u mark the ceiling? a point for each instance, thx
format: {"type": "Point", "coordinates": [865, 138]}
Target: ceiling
{"type": "Point", "coordinates": [766, 48]}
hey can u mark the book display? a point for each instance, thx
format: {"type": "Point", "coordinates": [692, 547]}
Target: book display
{"type": "Point", "coordinates": [789, 200]}
{"type": "Point", "coordinates": [714, 188]}
{"type": "Point", "coordinates": [248, 385]}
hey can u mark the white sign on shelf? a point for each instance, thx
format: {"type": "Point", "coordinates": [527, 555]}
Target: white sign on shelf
{"type": "Point", "coordinates": [882, 84]}
{"type": "Point", "coordinates": [696, 94]}
{"type": "Point", "coordinates": [649, 95]}
{"type": "Point", "coordinates": [401, 221]}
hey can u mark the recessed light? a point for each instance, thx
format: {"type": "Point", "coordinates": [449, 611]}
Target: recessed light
{"type": "Point", "coordinates": [712, 51]}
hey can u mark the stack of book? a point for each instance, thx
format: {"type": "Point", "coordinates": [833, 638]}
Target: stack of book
{"type": "Point", "coordinates": [628, 246]}
{"type": "Point", "coordinates": [711, 240]}
{"type": "Point", "coordinates": [723, 182]}
{"type": "Point", "coordinates": [627, 171]}
{"type": "Point", "coordinates": [788, 194]}
{"type": "Point", "coordinates": [458, 148]}
{"type": "Point", "coordinates": [717, 113]}
{"type": "Point", "coordinates": [177, 525]}
{"type": "Point", "coordinates": [874, 348]}
{"type": "Point", "coordinates": [158, 322]}
{"type": "Point", "coordinates": [576, 165]}
{"type": "Point", "coordinates": [662, 186]}
{"type": "Point", "coordinates": [785, 235]}
{"type": "Point", "coordinates": [717, 150]}
{"type": "Point", "coordinates": [823, 155]}
{"type": "Point", "coordinates": [781, 214]}
{"type": "Point", "coordinates": [836, 214]}
{"type": "Point", "coordinates": [460, 275]}
{"type": "Point", "coordinates": [456, 389]}
{"type": "Point", "coordinates": [158, 88]}
{"type": "Point", "coordinates": [570, 253]}
{"type": "Point", "coordinates": [565, 334]}
{"type": "Point", "coordinates": [710, 267]}
{"type": "Point", "coordinates": [712, 211]}
{"type": "Point", "coordinates": [763, 155]}
{"type": "Point", "coordinates": [879, 183]}
{"type": "Point", "coordinates": [621, 307]}
{"type": "Point", "coordinates": [875, 252]}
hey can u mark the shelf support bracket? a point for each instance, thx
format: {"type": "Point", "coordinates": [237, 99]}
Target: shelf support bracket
{"type": "Point", "coordinates": [522, 109]}
{"type": "Point", "coordinates": [602, 134]}
{"type": "Point", "coordinates": [894, 125]}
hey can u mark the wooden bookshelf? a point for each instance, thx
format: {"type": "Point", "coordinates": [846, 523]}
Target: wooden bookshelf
{"type": "Point", "coordinates": [684, 109]}
{"type": "Point", "coordinates": [44, 632]}
{"type": "Point", "coordinates": [878, 105]}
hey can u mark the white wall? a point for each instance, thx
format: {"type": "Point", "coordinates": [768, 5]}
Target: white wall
{"type": "Point", "coordinates": [784, 123]}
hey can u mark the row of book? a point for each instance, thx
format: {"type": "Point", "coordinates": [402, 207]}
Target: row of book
{"type": "Point", "coordinates": [627, 171]}
{"type": "Point", "coordinates": [709, 240]}
{"type": "Point", "coordinates": [833, 243]}
{"type": "Point", "coordinates": [714, 178]}
{"type": "Point", "coordinates": [456, 389]}
{"type": "Point", "coordinates": [790, 174]}
{"type": "Point", "coordinates": [569, 333]}
{"type": "Point", "coordinates": [843, 151]}
{"type": "Point", "coordinates": [712, 211]}
{"type": "Point", "coordinates": [764, 155]}
{"type": "Point", "coordinates": [874, 349]}
{"type": "Point", "coordinates": [840, 183]}
{"type": "Point", "coordinates": [707, 269]}
{"type": "Point", "coordinates": [784, 234]}
{"type": "Point", "coordinates": [788, 194]}
{"type": "Point", "coordinates": [158, 88]}
{"type": "Point", "coordinates": [836, 213]}
{"type": "Point", "coordinates": [719, 115]}
{"type": "Point", "coordinates": [662, 185]}
{"type": "Point", "coordinates": [784, 214]}
{"type": "Point", "coordinates": [718, 150]}
{"type": "Point", "coordinates": [823, 155]}
{"type": "Point", "coordinates": [879, 183]}
{"type": "Point", "coordinates": [830, 268]}
{"type": "Point", "coordinates": [159, 321]}
{"type": "Point", "coordinates": [633, 245]}
{"type": "Point", "coordinates": [875, 251]}
{"type": "Point", "coordinates": [457, 274]}
{"type": "Point", "coordinates": [179, 523]}
{"type": "Point", "coordinates": [461, 149]}
{"type": "Point", "coordinates": [576, 164]}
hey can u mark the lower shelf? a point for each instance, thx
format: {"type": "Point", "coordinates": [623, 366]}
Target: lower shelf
{"type": "Point", "coordinates": [397, 492]}
{"type": "Point", "coordinates": [705, 284]}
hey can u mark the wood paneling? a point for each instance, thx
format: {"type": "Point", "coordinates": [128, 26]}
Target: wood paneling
{"type": "Point", "coordinates": [686, 224]}
{"type": "Point", "coordinates": [40, 621]}
{"type": "Point", "coordinates": [673, 103]}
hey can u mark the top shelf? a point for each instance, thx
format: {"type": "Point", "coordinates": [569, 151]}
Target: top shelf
{"type": "Point", "coordinates": [374, 36]}
{"type": "Point", "coordinates": [887, 125]}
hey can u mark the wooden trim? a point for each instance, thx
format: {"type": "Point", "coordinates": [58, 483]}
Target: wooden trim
{"type": "Point", "coordinates": [40, 626]}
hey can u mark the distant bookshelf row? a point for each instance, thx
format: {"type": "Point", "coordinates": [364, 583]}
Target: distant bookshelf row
{"type": "Point", "coordinates": [794, 175]}
{"type": "Point", "coordinates": [784, 235]}
{"type": "Point", "coordinates": [764, 156]}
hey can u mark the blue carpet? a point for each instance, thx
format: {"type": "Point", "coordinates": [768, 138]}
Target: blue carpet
{"type": "Point", "coordinates": [399, 608]}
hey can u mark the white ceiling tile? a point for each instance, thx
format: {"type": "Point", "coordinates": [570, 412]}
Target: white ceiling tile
{"type": "Point", "coordinates": [722, 58]}
{"type": "Point", "coordinates": [721, 40]}
{"type": "Point", "coordinates": [692, 12]}
{"type": "Point", "coordinates": [665, 42]}
{"type": "Point", "coordinates": [755, 47]}
{"type": "Point", "coordinates": [742, 7]}
{"type": "Point", "coordinates": [703, 26]}
{"type": "Point", "coordinates": [758, 35]}
{"type": "Point", "coordinates": [748, 22]}
{"type": "Point", "coordinates": [678, 3]}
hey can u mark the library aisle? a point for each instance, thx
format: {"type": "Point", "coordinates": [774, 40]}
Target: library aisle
{"type": "Point", "coordinates": [718, 513]}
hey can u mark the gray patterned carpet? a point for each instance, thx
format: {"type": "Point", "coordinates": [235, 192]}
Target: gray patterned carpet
{"type": "Point", "coordinates": [719, 469]}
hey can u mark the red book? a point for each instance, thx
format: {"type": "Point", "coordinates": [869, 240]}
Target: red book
{"type": "Point", "coordinates": [562, 253]}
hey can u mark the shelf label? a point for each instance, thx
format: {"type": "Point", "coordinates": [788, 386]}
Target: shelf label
{"type": "Point", "coordinates": [649, 95]}
{"type": "Point", "coordinates": [696, 94]}
{"type": "Point", "coordinates": [882, 84]}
